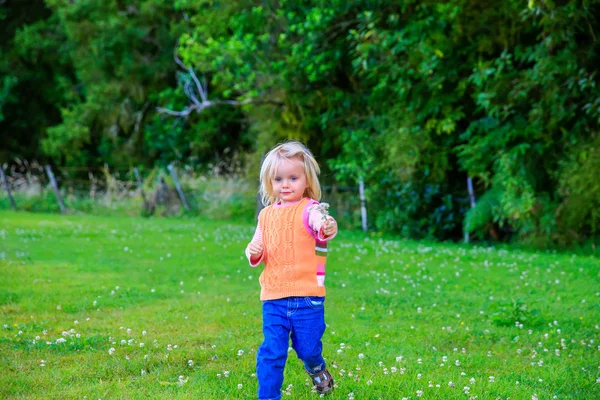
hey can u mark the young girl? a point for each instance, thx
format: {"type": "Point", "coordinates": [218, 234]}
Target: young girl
{"type": "Point", "coordinates": [291, 239]}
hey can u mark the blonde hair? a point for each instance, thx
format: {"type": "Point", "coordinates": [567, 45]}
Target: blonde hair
{"type": "Point", "coordinates": [283, 152]}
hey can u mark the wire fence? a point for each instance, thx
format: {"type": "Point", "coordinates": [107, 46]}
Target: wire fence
{"type": "Point", "coordinates": [158, 191]}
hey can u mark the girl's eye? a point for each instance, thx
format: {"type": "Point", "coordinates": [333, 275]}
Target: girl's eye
{"type": "Point", "coordinates": [277, 179]}
{"type": "Point", "coordinates": [293, 178]}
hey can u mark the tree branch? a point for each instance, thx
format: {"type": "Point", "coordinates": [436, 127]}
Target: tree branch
{"type": "Point", "coordinates": [202, 90]}
{"type": "Point", "coordinates": [177, 60]}
{"type": "Point", "coordinates": [199, 105]}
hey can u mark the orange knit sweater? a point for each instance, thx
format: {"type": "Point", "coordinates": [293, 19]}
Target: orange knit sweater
{"type": "Point", "coordinates": [294, 260]}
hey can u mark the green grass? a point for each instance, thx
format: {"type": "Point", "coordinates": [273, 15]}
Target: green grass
{"type": "Point", "coordinates": [402, 316]}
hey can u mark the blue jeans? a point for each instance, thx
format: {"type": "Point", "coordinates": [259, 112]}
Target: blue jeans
{"type": "Point", "coordinates": [302, 318]}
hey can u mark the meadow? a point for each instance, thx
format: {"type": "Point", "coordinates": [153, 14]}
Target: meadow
{"type": "Point", "coordinates": [126, 308]}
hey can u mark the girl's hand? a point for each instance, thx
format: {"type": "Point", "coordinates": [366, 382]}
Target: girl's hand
{"type": "Point", "coordinates": [330, 227]}
{"type": "Point", "coordinates": [255, 249]}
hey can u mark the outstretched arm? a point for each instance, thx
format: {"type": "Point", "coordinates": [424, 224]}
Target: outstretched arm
{"type": "Point", "coordinates": [324, 225]}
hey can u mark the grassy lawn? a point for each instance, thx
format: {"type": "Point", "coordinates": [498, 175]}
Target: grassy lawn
{"type": "Point", "coordinates": [130, 308]}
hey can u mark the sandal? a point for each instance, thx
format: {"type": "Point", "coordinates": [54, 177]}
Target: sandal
{"type": "Point", "coordinates": [323, 381]}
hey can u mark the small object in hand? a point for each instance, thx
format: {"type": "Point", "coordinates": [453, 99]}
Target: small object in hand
{"type": "Point", "coordinates": [323, 208]}
{"type": "Point", "coordinates": [328, 221]}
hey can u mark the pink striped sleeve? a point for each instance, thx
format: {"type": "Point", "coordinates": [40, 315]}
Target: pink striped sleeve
{"type": "Point", "coordinates": [313, 222]}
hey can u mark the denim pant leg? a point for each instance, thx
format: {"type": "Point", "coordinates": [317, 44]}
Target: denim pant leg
{"type": "Point", "coordinates": [272, 354]}
{"type": "Point", "coordinates": [308, 327]}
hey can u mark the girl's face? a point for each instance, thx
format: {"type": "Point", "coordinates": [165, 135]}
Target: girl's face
{"type": "Point", "coordinates": [289, 182]}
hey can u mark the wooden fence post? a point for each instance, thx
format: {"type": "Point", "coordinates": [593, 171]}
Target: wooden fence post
{"type": "Point", "coordinates": [55, 187]}
{"type": "Point", "coordinates": [140, 183]}
{"type": "Point", "coordinates": [5, 184]}
{"type": "Point", "coordinates": [178, 186]}
{"type": "Point", "coordinates": [363, 203]}
{"type": "Point", "coordinates": [472, 200]}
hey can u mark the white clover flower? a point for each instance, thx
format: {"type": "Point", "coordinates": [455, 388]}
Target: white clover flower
{"type": "Point", "coordinates": [111, 351]}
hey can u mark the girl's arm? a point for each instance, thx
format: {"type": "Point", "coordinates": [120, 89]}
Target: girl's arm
{"type": "Point", "coordinates": [255, 260]}
{"type": "Point", "coordinates": [317, 221]}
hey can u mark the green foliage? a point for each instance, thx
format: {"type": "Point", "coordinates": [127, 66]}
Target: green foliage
{"type": "Point", "coordinates": [8, 83]}
{"type": "Point", "coordinates": [35, 76]}
{"type": "Point", "coordinates": [579, 213]}
{"type": "Point", "coordinates": [486, 211]}
{"type": "Point", "coordinates": [413, 97]}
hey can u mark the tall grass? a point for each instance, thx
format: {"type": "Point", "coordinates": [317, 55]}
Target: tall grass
{"type": "Point", "coordinates": [210, 194]}
{"type": "Point", "coordinates": [217, 193]}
